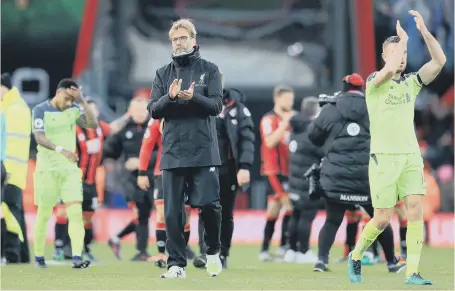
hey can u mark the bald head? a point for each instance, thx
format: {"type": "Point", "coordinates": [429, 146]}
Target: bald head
{"type": "Point", "coordinates": [310, 106]}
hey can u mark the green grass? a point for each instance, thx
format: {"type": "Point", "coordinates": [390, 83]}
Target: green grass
{"type": "Point", "coordinates": [245, 273]}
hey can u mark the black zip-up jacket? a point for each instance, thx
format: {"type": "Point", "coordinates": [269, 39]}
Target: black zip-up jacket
{"type": "Point", "coordinates": [127, 142]}
{"type": "Point", "coordinates": [345, 127]}
{"type": "Point", "coordinates": [303, 154]}
{"type": "Point", "coordinates": [189, 132]}
{"type": "Point", "coordinates": [239, 128]}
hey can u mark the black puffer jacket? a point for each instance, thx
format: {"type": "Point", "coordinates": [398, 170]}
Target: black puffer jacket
{"type": "Point", "coordinates": [303, 154]}
{"type": "Point", "coordinates": [343, 129]}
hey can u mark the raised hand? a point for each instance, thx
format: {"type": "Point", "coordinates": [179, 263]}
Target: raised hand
{"type": "Point", "coordinates": [420, 24]}
{"type": "Point", "coordinates": [76, 93]}
{"type": "Point", "coordinates": [175, 87]}
{"type": "Point", "coordinates": [400, 31]}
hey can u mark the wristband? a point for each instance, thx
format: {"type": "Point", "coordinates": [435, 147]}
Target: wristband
{"type": "Point", "coordinates": [58, 149]}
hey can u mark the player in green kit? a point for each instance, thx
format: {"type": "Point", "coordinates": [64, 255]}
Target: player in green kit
{"type": "Point", "coordinates": [396, 166]}
{"type": "Point", "coordinates": [57, 174]}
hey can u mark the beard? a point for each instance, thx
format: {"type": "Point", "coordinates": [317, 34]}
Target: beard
{"type": "Point", "coordinates": [182, 51]}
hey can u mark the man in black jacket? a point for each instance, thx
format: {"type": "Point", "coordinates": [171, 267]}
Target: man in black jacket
{"type": "Point", "coordinates": [127, 142]}
{"type": "Point", "coordinates": [303, 154]}
{"type": "Point", "coordinates": [236, 146]}
{"type": "Point", "coordinates": [343, 129]}
{"type": "Point", "coordinates": [190, 155]}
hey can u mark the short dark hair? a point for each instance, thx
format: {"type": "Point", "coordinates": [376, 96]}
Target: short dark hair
{"type": "Point", "coordinates": [278, 90]}
{"type": "Point", "coordinates": [310, 106]}
{"type": "Point", "coordinates": [67, 83]}
{"type": "Point", "coordinates": [389, 40]}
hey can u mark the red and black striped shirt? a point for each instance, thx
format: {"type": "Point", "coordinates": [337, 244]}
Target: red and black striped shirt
{"type": "Point", "coordinates": [90, 149]}
{"type": "Point", "coordinates": [275, 160]}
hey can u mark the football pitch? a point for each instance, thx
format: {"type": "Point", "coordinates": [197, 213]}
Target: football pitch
{"type": "Point", "coordinates": [245, 273]}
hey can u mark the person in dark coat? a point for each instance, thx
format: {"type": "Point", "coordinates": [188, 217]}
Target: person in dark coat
{"type": "Point", "coordinates": [127, 143]}
{"type": "Point", "coordinates": [303, 154]}
{"type": "Point", "coordinates": [187, 94]}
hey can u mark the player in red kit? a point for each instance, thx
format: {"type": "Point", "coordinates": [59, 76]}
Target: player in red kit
{"type": "Point", "coordinates": [152, 138]}
{"type": "Point", "coordinates": [275, 136]}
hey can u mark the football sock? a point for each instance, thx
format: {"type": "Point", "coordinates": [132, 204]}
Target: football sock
{"type": "Point", "coordinates": [42, 218]}
{"type": "Point", "coordinates": [367, 237]}
{"type": "Point", "coordinates": [75, 228]}
{"type": "Point", "coordinates": [414, 241]}
{"type": "Point", "coordinates": [268, 233]}
{"type": "Point", "coordinates": [131, 227]}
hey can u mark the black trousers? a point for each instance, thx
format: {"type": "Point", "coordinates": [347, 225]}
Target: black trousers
{"type": "Point", "coordinates": [334, 218]}
{"type": "Point", "coordinates": [15, 251]}
{"type": "Point", "coordinates": [228, 190]}
{"type": "Point", "coordinates": [300, 224]}
{"type": "Point", "coordinates": [202, 189]}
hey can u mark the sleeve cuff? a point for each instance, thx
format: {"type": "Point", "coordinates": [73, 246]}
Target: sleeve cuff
{"type": "Point", "coordinates": [244, 167]}
{"type": "Point", "coordinates": [142, 173]}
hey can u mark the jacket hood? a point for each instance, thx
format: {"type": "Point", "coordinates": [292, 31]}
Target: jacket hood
{"type": "Point", "coordinates": [299, 123]}
{"type": "Point", "coordinates": [352, 105]}
{"type": "Point", "coordinates": [232, 95]}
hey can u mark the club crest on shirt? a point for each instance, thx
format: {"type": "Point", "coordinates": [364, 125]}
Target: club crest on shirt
{"type": "Point", "coordinates": [128, 134]}
{"type": "Point", "coordinates": [201, 83]}
{"type": "Point", "coordinates": [39, 123]}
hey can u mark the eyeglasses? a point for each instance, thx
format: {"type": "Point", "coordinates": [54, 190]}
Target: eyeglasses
{"type": "Point", "coordinates": [180, 39]}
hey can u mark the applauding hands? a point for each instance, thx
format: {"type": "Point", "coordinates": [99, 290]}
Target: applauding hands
{"type": "Point", "coordinates": [175, 90]}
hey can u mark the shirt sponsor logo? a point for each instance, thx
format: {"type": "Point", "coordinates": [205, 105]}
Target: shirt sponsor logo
{"type": "Point", "coordinates": [354, 198]}
{"type": "Point", "coordinates": [397, 100]}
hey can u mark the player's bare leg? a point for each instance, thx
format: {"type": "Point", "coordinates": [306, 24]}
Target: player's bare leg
{"type": "Point", "coordinates": [414, 239]}
{"type": "Point", "coordinates": [273, 211]}
{"type": "Point", "coordinates": [400, 211]}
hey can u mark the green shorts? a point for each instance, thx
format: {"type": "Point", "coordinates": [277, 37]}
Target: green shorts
{"type": "Point", "coordinates": [393, 177]}
{"type": "Point", "coordinates": [52, 185]}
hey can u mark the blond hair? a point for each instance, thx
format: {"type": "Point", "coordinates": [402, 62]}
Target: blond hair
{"type": "Point", "coordinates": [184, 23]}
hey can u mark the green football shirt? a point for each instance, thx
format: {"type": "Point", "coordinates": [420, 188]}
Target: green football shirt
{"type": "Point", "coordinates": [60, 128]}
{"type": "Point", "coordinates": [391, 111]}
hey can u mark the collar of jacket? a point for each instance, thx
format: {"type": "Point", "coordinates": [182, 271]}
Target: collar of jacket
{"type": "Point", "coordinates": [10, 97]}
{"type": "Point", "coordinates": [185, 60]}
